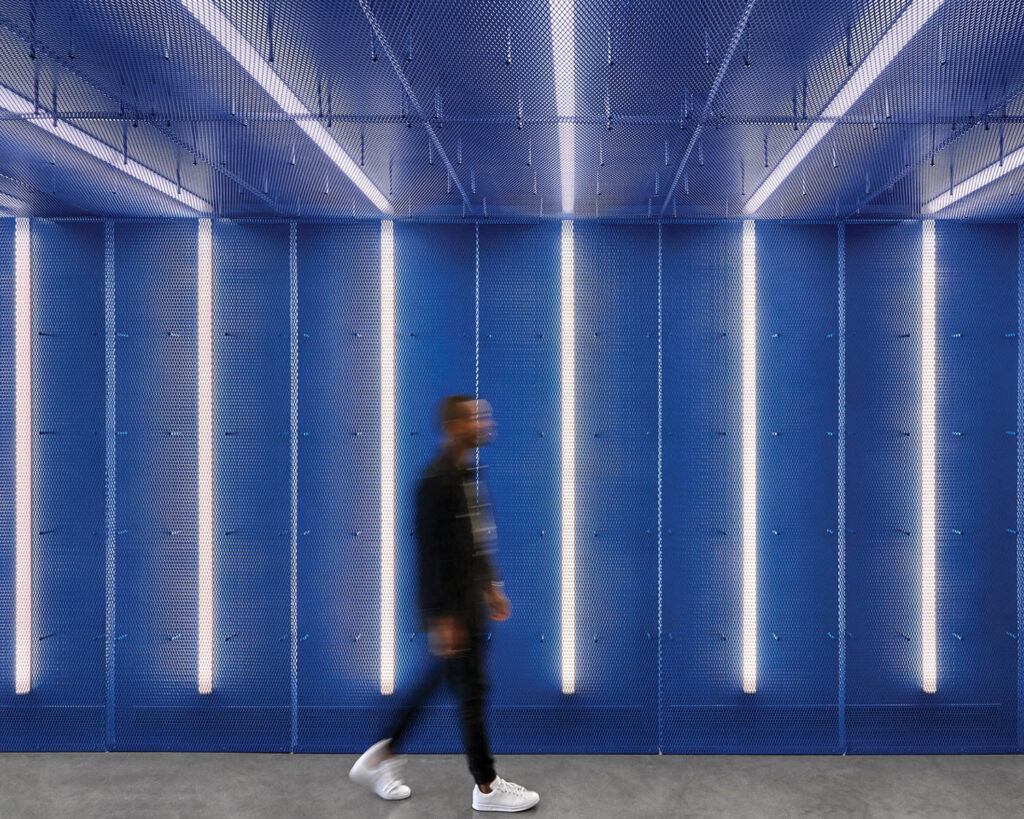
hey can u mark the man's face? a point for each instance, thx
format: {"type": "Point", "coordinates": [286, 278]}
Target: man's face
{"type": "Point", "coordinates": [475, 427]}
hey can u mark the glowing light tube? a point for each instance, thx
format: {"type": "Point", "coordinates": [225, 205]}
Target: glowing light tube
{"type": "Point", "coordinates": [749, 458]}
{"type": "Point", "coordinates": [23, 454]}
{"type": "Point", "coordinates": [984, 177]}
{"type": "Point", "coordinates": [103, 152]}
{"type": "Point", "coordinates": [928, 293]}
{"type": "Point", "coordinates": [568, 300]}
{"type": "Point", "coordinates": [11, 206]}
{"type": "Point", "coordinates": [241, 50]}
{"type": "Point", "coordinates": [563, 43]}
{"type": "Point", "coordinates": [895, 40]}
{"type": "Point", "coordinates": [387, 457]}
{"type": "Point", "coordinates": [204, 452]}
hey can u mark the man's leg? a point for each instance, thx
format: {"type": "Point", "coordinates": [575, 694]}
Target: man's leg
{"type": "Point", "coordinates": [466, 675]}
{"type": "Point", "coordinates": [430, 678]}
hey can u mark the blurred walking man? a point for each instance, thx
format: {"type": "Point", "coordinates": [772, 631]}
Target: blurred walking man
{"type": "Point", "coordinates": [455, 535]}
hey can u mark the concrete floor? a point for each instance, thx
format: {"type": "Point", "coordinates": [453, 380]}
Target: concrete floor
{"type": "Point", "coordinates": [280, 786]}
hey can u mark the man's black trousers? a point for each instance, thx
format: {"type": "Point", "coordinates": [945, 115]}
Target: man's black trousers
{"type": "Point", "coordinates": [465, 675]}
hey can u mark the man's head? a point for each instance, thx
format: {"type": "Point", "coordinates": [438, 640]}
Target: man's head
{"type": "Point", "coordinates": [466, 420]}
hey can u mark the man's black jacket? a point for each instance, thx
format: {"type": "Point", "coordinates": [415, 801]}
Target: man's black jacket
{"type": "Point", "coordinates": [454, 571]}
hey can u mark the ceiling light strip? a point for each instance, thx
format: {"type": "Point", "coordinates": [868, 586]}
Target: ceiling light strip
{"type": "Point", "coordinates": [878, 59]}
{"type": "Point", "coordinates": [937, 148]}
{"type": "Point", "coordinates": [563, 47]}
{"type": "Point", "coordinates": [105, 153]}
{"type": "Point", "coordinates": [242, 51]}
{"type": "Point", "coordinates": [984, 177]}
{"type": "Point", "coordinates": [12, 206]}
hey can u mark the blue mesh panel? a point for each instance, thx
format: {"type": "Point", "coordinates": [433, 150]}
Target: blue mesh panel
{"type": "Point", "coordinates": [252, 483]}
{"type": "Point", "coordinates": [65, 708]}
{"type": "Point", "coordinates": [519, 375]}
{"type": "Point", "coordinates": [68, 504]}
{"type": "Point", "coordinates": [339, 486]}
{"type": "Point", "coordinates": [975, 704]}
{"type": "Point", "coordinates": [976, 545]}
{"type": "Point", "coordinates": [976, 468]}
{"type": "Point", "coordinates": [704, 706]}
{"type": "Point", "coordinates": [616, 608]}
{"type": "Point", "coordinates": [883, 264]}
{"type": "Point", "coordinates": [797, 392]}
{"type": "Point", "coordinates": [157, 692]}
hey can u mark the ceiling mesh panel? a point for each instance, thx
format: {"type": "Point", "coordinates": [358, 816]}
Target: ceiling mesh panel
{"type": "Point", "coordinates": [682, 109]}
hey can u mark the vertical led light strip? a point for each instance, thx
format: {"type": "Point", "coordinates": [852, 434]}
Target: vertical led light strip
{"type": "Point", "coordinates": [110, 475]}
{"type": "Point", "coordinates": [204, 450]}
{"type": "Point", "coordinates": [568, 459]}
{"type": "Point", "coordinates": [23, 457]}
{"type": "Point", "coordinates": [749, 458]}
{"type": "Point", "coordinates": [841, 470]}
{"type": "Point", "coordinates": [293, 344]}
{"type": "Point", "coordinates": [387, 457]}
{"type": "Point", "coordinates": [661, 358]}
{"type": "Point", "coordinates": [928, 641]}
{"type": "Point", "coordinates": [1020, 485]}
{"type": "Point", "coordinates": [563, 46]}
{"type": "Point", "coordinates": [1019, 438]}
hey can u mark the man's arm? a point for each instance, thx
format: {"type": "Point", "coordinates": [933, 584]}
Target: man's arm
{"type": "Point", "coordinates": [489, 572]}
{"type": "Point", "coordinates": [441, 584]}
{"type": "Point", "coordinates": [487, 568]}
{"type": "Point", "coordinates": [439, 577]}
{"type": "Point", "coordinates": [493, 589]}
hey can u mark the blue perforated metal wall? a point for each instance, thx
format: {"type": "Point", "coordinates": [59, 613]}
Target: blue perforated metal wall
{"type": "Point", "coordinates": [297, 629]}
{"type": "Point", "coordinates": [338, 526]}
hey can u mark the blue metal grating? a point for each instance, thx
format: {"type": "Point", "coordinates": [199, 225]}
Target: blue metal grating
{"type": "Point", "coordinates": [338, 485]}
{"type": "Point", "coordinates": [658, 605]}
{"type": "Point", "coordinates": [702, 471]}
{"type": "Point", "coordinates": [616, 484]}
{"type": "Point", "coordinates": [681, 108]}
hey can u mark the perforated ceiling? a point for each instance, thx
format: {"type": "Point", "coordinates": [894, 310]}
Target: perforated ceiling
{"type": "Point", "coordinates": [449, 108]}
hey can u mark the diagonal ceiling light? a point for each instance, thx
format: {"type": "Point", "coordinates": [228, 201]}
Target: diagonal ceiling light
{"type": "Point", "coordinates": [563, 46]}
{"type": "Point", "coordinates": [225, 33]}
{"type": "Point", "coordinates": [895, 40]}
{"type": "Point", "coordinates": [100, 150]}
{"type": "Point", "coordinates": [985, 176]}
{"type": "Point", "coordinates": [11, 206]}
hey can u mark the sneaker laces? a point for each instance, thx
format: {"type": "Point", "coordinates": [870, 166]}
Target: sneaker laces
{"type": "Point", "coordinates": [508, 787]}
{"type": "Point", "coordinates": [389, 770]}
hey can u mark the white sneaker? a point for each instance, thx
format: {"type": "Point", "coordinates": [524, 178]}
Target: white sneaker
{"type": "Point", "coordinates": [380, 775]}
{"type": "Point", "coordinates": [505, 796]}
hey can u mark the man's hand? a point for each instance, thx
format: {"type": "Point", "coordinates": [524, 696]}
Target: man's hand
{"type": "Point", "coordinates": [498, 603]}
{"type": "Point", "coordinates": [447, 636]}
